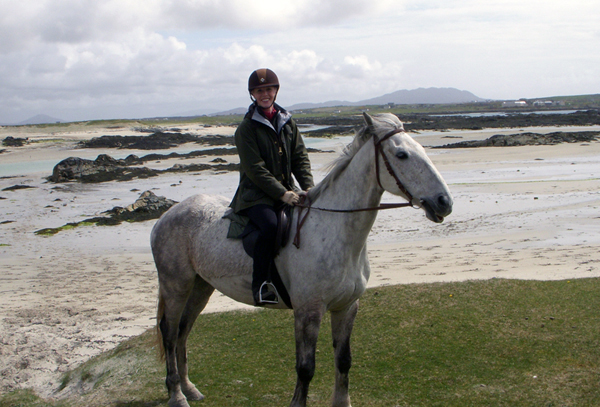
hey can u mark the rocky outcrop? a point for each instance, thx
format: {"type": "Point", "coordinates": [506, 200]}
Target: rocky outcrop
{"type": "Point", "coordinates": [159, 140]}
{"type": "Point", "coordinates": [103, 168]}
{"type": "Point", "coordinates": [16, 187]}
{"type": "Point", "coordinates": [527, 139]}
{"type": "Point", "coordinates": [148, 206]}
{"type": "Point", "coordinates": [14, 141]}
{"type": "Point", "coordinates": [156, 141]}
{"type": "Point", "coordinates": [427, 121]}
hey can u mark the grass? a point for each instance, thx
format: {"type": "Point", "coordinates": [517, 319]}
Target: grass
{"type": "Point", "coordinates": [68, 226]}
{"type": "Point", "coordinates": [475, 343]}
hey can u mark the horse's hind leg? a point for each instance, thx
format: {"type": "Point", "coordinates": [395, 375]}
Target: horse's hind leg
{"type": "Point", "coordinates": [181, 298]}
{"type": "Point", "coordinates": [195, 304]}
{"type": "Point", "coordinates": [342, 323]}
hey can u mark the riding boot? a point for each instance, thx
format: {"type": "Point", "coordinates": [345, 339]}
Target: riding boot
{"type": "Point", "coordinates": [265, 218]}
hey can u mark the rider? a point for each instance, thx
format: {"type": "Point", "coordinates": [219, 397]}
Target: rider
{"type": "Point", "coordinates": [271, 149]}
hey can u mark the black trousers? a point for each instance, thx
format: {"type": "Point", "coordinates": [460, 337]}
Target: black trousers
{"type": "Point", "coordinates": [265, 218]}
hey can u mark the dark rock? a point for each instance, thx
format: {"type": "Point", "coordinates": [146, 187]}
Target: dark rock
{"type": "Point", "coordinates": [132, 159]}
{"type": "Point", "coordinates": [421, 121]}
{"type": "Point", "coordinates": [331, 131]}
{"type": "Point", "coordinates": [527, 139]}
{"type": "Point", "coordinates": [16, 187]}
{"type": "Point", "coordinates": [217, 140]}
{"type": "Point", "coordinates": [192, 154]}
{"type": "Point", "coordinates": [14, 141]}
{"type": "Point", "coordinates": [158, 140]}
{"type": "Point", "coordinates": [103, 168]}
{"type": "Point", "coordinates": [147, 206]}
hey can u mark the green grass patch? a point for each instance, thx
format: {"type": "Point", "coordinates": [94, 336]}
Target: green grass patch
{"type": "Point", "coordinates": [68, 226]}
{"type": "Point", "coordinates": [48, 140]}
{"type": "Point", "coordinates": [475, 343]}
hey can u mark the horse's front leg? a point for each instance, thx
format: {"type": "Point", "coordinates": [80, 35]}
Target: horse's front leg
{"type": "Point", "coordinates": [342, 323]}
{"type": "Point", "coordinates": [307, 324]}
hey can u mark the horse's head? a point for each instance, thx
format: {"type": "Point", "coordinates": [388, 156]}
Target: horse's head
{"type": "Point", "coordinates": [405, 169]}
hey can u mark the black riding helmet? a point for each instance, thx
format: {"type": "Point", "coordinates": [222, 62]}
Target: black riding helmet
{"type": "Point", "coordinates": [262, 78]}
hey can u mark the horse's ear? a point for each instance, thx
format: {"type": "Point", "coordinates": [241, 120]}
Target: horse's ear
{"type": "Point", "coordinates": [368, 119]}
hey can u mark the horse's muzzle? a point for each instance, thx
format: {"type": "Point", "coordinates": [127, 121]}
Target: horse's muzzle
{"type": "Point", "coordinates": [437, 208]}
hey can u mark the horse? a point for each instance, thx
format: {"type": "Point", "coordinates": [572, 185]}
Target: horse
{"type": "Point", "coordinates": [328, 271]}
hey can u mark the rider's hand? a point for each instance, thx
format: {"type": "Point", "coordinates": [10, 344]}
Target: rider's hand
{"type": "Point", "coordinates": [303, 193]}
{"type": "Point", "coordinates": [290, 198]}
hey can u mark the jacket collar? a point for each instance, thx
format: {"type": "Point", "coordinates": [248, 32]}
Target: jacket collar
{"type": "Point", "coordinates": [282, 117]}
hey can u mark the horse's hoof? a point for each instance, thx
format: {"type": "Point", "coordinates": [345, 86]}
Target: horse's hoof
{"type": "Point", "coordinates": [190, 391]}
{"type": "Point", "coordinates": [193, 394]}
{"type": "Point", "coordinates": [178, 401]}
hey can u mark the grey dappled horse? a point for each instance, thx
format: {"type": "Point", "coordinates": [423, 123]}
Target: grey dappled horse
{"type": "Point", "coordinates": [328, 272]}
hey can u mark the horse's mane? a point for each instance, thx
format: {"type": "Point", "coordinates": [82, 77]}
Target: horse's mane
{"type": "Point", "coordinates": [381, 124]}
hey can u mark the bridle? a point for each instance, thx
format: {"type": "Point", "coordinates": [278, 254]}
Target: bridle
{"type": "Point", "coordinates": [378, 152]}
{"type": "Point", "coordinates": [305, 202]}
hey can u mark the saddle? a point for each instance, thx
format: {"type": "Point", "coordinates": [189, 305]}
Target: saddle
{"type": "Point", "coordinates": [242, 228]}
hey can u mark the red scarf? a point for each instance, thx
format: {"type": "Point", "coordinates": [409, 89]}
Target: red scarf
{"type": "Point", "coordinates": [270, 113]}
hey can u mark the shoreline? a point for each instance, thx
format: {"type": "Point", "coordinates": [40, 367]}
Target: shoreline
{"type": "Point", "coordinates": [520, 212]}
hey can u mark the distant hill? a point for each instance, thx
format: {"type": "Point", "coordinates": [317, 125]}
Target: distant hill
{"type": "Point", "coordinates": [400, 97]}
{"type": "Point", "coordinates": [404, 97]}
{"type": "Point", "coordinates": [425, 96]}
{"type": "Point", "coordinates": [40, 119]}
{"type": "Point", "coordinates": [236, 111]}
{"type": "Point", "coordinates": [331, 103]}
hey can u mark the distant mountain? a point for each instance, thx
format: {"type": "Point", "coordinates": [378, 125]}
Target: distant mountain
{"type": "Point", "coordinates": [424, 96]}
{"type": "Point", "coordinates": [40, 119]}
{"type": "Point", "coordinates": [400, 97]}
{"type": "Point", "coordinates": [403, 97]}
{"type": "Point", "coordinates": [236, 111]}
{"type": "Point", "coordinates": [330, 103]}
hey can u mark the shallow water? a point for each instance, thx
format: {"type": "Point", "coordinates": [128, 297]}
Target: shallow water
{"type": "Point", "coordinates": [46, 166]}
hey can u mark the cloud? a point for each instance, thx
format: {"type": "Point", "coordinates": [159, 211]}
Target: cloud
{"type": "Point", "coordinates": [197, 54]}
{"type": "Point", "coordinates": [76, 21]}
{"type": "Point", "coordinates": [265, 15]}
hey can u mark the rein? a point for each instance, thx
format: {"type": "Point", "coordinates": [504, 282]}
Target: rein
{"type": "Point", "coordinates": [378, 151]}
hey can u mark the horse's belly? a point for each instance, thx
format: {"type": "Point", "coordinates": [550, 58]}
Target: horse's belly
{"type": "Point", "coordinates": [235, 287]}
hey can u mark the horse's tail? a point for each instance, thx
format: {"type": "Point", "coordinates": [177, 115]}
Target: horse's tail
{"type": "Point", "coordinates": [160, 312]}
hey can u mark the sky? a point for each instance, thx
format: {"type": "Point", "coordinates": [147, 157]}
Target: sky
{"type": "Point", "coordinates": [108, 59]}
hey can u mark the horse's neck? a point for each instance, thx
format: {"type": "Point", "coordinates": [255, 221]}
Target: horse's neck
{"type": "Point", "coordinates": [356, 187]}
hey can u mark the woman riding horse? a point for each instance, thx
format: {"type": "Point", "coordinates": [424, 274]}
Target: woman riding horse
{"type": "Point", "coordinates": [271, 149]}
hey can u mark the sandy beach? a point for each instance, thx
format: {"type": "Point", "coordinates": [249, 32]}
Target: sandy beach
{"type": "Point", "coordinates": [527, 212]}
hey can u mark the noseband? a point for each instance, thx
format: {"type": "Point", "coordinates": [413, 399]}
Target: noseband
{"type": "Point", "coordinates": [306, 203]}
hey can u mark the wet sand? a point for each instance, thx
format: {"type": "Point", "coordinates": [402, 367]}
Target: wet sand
{"type": "Point", "coordinates": [519, 212]}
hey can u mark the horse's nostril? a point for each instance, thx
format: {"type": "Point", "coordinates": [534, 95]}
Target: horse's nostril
{"type": "Point", "coordinates": [443, 201]}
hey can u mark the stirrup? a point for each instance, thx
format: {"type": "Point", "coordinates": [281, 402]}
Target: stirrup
{"type": "Point", "coordinates": [270, 288]}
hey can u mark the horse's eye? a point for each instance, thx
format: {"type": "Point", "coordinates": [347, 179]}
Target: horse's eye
{"type": "Point", "coordinates": [402, 155]}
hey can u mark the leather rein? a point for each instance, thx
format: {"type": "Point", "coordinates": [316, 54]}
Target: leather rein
{"type": "Point", "coordinates": [305, 202]}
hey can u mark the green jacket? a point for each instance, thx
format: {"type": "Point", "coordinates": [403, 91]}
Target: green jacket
{"type": "Point", "coordinates": [268, 157]}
